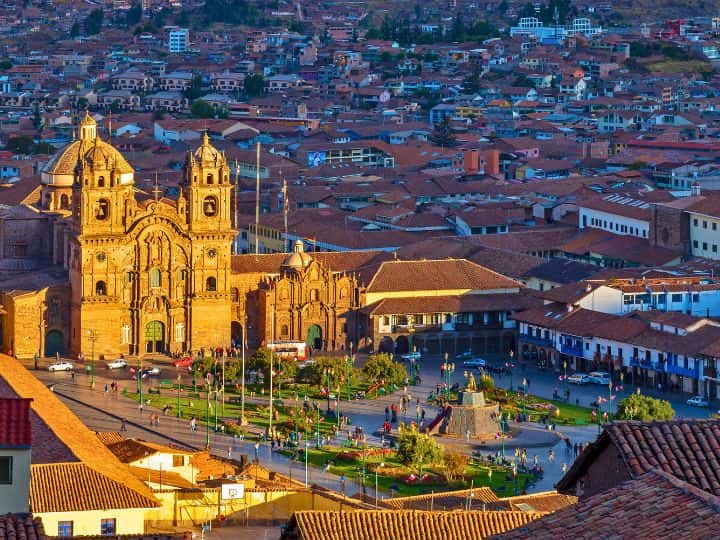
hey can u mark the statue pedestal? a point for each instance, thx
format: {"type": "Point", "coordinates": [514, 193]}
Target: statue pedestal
{"type": "Point", "coordinates": [468, 398]}
{"type": "Point", "coordinates": [471, 413]}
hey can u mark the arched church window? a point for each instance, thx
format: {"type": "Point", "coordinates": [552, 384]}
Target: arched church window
{"type": "Point", "coordinates": [102, 210]}
{"type": "Point", "coordinates": [155, 277]}
{"type": "Point", "coordinates": [101, 181]}
{"type": "Point", "coordinates": [210, 206]}
{"type": "Point", "coordinates": [315, 295]}
{"type": "Point", "coordinates": [234, 295]}
{"type": "Point", "coordinates": [211, 284]}
{"type": "Point", "coordinates": [182, 274]}
{"type": "Point", "coordinates": [209, 179]}
{"type": "Point", "coordinates": [64, 202]}
{"type": "Point", "coordinates": [100, 289]}
{"type": "Point", "coordinates": [284, 331]}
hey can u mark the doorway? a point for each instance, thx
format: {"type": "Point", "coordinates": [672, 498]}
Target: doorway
{"type": "Point", "coordinates": [155, 337]}
{"type": "Point", "coordinates": [54, 343]}
{"type": "Point", "coordinates": [314, 337]}
{"type": "Point", "coordinates": [236, 334]}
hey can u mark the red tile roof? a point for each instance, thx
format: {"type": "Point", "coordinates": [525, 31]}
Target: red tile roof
{"type": "Point", "coordinates": [21, 527]}
{"type": "Point", "coordinates": [15, 427]}
{"type": "Point", "coordinates": [656, 505]}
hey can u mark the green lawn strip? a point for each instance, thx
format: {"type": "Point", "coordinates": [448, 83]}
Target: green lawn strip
{"type": "Point", "coordinates": [289, 391]}
{"type": "Point", "coordinates": [392, 475]}
{"type": "Point", "coordinates": [569, 414]}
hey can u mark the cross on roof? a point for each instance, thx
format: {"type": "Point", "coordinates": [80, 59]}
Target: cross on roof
{"type": "Point", "coordinates": [157, 189]}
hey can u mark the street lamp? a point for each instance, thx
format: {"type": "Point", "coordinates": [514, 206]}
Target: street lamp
{"type": "Point", "coordinates": [376, 483]}
{"type": "Point", "coordinates": [447, 369]}
{"type": "Point", "coordinates": [307, 449]}
{"type": "Point", "coordinates": [348, 371]}
{"type": "Point", "coordinates": [207, 419]}
{"type": "Point", "coordinates": [317, 426]}
{"type": "Point", "coordinates": [92, 336]}
{"type": "Point", "coordinates": [599, 412]}
{"type": "Point", "coordinates": [524, 386]}
{"type": "Point", "coordinates": [179, 414]}
{"type": "Point", "coordinates": [329, 372]}
{"type": "Point", "coordinates": [565, 379]}
{"type": "Point", "coordinates": [609, 407]}
{"type": "Point", "coordinates": [139, 380]}
{"type": "Point", "coordinates": [502, 435]}
{"type": "Point", "coordinates": [242, 388]}
{"type": "Point", "coordinates": [511, 366]}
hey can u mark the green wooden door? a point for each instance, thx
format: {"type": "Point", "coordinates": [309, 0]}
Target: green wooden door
{"type": "Point", "coordinates": [154, 337]}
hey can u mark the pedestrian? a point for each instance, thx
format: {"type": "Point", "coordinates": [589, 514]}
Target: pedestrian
{"type": "Point", "coordinates": [551, 455]}
{"type": "Point", "coordinates": [467, 436]}
{"type": "Point", "coordinates": [229, 452]}
{"type": "Point", "coordinates": [123, 427]}
{"type": "Point", "coordinates": [387, 414]}
{"type": "Point", "coordinates": [257, 451]}
{"type": "Point", "coordinates": [72, 375]}
{"type": "Point", "coordinates": [106, 389]}
{"type": "Point", "coordinates": [157, 420]}
{"type": "Point", "coordinates": [152, 419]}
{"type": "Point", "coordinates": [564, 468]}
{"type": "Point", "coordinates": [140, 407]}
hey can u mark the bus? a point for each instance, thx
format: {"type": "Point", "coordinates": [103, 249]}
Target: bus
{"type": "Point", "coordinates": [297, 350]}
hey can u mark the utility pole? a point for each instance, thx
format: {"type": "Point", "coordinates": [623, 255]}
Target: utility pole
{"type": "Point", "coordinates": [257, 199]}
{"type": "Point", "coordinates": [92, 336]}
{"type": "Point", "coordinates": [286, 245]}
{"type": "Point", "coordinates": [272, 334]}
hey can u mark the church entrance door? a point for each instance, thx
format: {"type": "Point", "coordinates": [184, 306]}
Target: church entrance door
{"type": "Point", "coordinates": [155, 337]}
{"type": "Point", "coordinates": [314, 337]}
{"type": "Point", "coordinates": [54, 343]}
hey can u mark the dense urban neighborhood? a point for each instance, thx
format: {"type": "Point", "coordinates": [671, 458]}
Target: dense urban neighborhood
{"type": "Point", "coordinates": [359, 270]}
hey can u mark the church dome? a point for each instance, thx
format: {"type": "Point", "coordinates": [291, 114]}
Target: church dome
{"type": "Point", "coordinates": [207, 154]}
{"type": "Point", "coordinates": [298, 259]}
{"type": "Point", "coordinates": [89, 149]}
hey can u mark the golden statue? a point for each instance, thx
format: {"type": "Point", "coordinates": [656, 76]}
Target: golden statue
{"type": "Point", "coordinates": [471, 386]}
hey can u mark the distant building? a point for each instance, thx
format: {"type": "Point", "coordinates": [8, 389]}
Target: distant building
{"type": "Point", "coordinates": [178, 41]}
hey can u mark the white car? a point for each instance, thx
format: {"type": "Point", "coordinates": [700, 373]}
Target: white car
{"type": "Point", "coordinates": [599, 377]}
{"type": "Point", "coordinates": [698, 401]}
{"type": "Point", "coordinates": [578, 378]}
{"type": "Point", "coordinates": [475, 362]}
{"type": "Point", "coordinates": [411, 356]}
{"type": "Point", "coordinates": [117, 364]}
{"type": "Point", "coordinates": [60, 365]}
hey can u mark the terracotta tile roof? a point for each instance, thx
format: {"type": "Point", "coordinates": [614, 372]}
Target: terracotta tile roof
{"type": "Point", "coordinates": [168, 479]}
{"type": "Point", "coordinates": [130, 450]}
{"type": "Point", "coordinates": [437, 275]}
{"type": "Point", "coordinates": [109, 437]}
{"type": "Point", "coordinates": [15, 427]}
{"type": "Point", "coordinates": [75, 487]}
{"type": "Point", "coordinates": [546, 501]}
{"type": "Point", "coordinates": [449, 500]}
{"type": "Point", "coordinates": [209, 466]}
{"type": "Point", "coordinates": [21, 527]}
{"type": "Point", "coordinates": [402, 525]}
{"type": "Point", "coordinates": [656, 505]}
{"type": "Point", "coordinates": [60, 439]}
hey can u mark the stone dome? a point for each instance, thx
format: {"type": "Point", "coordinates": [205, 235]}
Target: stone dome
{"type": "Point", "coordinates": [207, 154]}
{"type": "Point", "coordinates": [298, 259]}
{"type": "Point", "coordinates": [91, 151]}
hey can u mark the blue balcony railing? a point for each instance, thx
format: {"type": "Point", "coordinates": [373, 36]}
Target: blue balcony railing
{"type": "Point", "coordinates": [682, 371]}
{"type": "Point", "coordinates": [572, 350]}
{"type": "Point", "coordinates": [527, 338]}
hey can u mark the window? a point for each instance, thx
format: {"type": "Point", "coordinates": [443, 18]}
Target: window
{"type": "Point", "coordinates": [628, 299]}
{"type": "Point", "coordinates": [705, 246]}
{"type": "Point", "coordinates": [100, 289]}
{"type": "Point", "coordinates": [210, 206]}
{"type": "Point", "coordinates": [179, 332]}
{"type": "Point", "coordinates": [714, 248]}
{"type": "Point", "coordinates": [714, 226]}
{"type": "Point", "coordinates": [182, 275]}
{"type": "Point", "coordinates": [65, 529]}
{"type": "Point", "coordinates": [6, 465]}
{"type": "Point", "coordinates": [695, 222]}
{"type": "Point", "coordinates": [314, 295]}
{"type": "Point", "coordinates": [211, 284]}
{"type": "Point", "coordinates": [178, 461]}
{"type": "Point", "coordinates": [102, 210]}
{"type": "Point", "coordinates": [385, 320]}
{"type": "Point", "coordinates": [125, 334]}
{"type": "Point", "coordinates": [107, 526]}
{"type": "Point", "coordinates": [695, 298]}
{"type": "Point", "coordinates": [284, 330]}
{"type": "Point", "coordinates": [677, 297]}
{"type": "Point", "coordinates": [704, 224]}
{"type": "Point", "coordinates": [101, 181]}
{"type": "Point", "coordinates": [65, 202]}
{"type": "Point", "coordinates": [155, 277]}
{"type": "Point", "coordinates": [234, 295]}
{"type": "Point", "coordinates": [20, 250]}
{"type": "Point", "coordinates": [129, 277]}
{"type": "Point", "coordinates": [695, 244]}
{"type": "Point", "coordinates": [209, 178]}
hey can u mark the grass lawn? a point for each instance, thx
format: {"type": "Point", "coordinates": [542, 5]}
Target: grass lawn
{"type": "Point", "coordinates": [537, 408]}
{"type": "Point", "coordinates": [680, 66]}
{"type": "Point", "coordinates": [392, 475]}
{"type": "Point", "coordinates": [196, 405]}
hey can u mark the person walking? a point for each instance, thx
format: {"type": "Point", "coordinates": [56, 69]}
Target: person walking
{"type": "Point", "coordinates": [551, 455]}
{"type": "Point", "coordinates": [123, 426]}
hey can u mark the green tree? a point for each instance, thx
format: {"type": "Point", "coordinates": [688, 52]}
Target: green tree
{"type": "Point", "coordinates": [254, 85]}
{"type": "Point", "coordinates": [454, 465]}
{"type": "Point", "coordinates": [93, 22]}
{"type": "Point", "coordinates": [43, 148]}
{"type": "Point", "coordinates": [315, 373]}
{"type": "Point", "coordinates": [471, 83]}
{"type": "Point", "coordinates": [382, 368]}
{"type": "Point", "coordinates": [645, 408]}
{"type": "Point", "coordinates": [37, 118]}
{"type": "Point", "coordinates": [260, 362]}
{"type": "Point", "coordinates": [134, 14]}
{"type": "Point", "coordinates": [443, 135]}
{"type": "Point", "coordinates": [487, 383]}
{"type": "Point", "coordinates": [115, 106]}
{"type": "Point", "coordinates": [417, 450]}
{"type": "Point", "coordinates": [202, 109]}
{"type": "Point", "coordinates": [75, 30]}
{"type": "Point", "coordinates": [194, 91]}
{"type": "Point", "coordinates": [20, 145]}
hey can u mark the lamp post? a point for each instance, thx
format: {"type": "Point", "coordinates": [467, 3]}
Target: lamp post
{"type": "Point", "coordinates": [92, 336]}
{"type": "Point", "coordinates": [609, 407]}
{"type": "Point", "coordinates": [307, 449]}
{"type": "Point", "coordinates": [297, 419]}
{"type": "Point", "coordinates": [328, 375]}
{"type": "Point", "coordinates": [348, 371]}
{"type": "Point", "coordinates": [139, 380]}
{"type": "Point", "coordinates": [502, 435]}
{"type": "Point", "coordinates": [376, 483]}
{"type": "Point", "coordinates": [565, 383]}
{"type": "Point", "coordinates": [510, 366]}
{"type": "Point", "coordinates": [194, 372]}
{"type": "Point", "coordinates": [215, 391]}
{"type": "Point", "coordinates": [179, 414]}
{"type": "Point", "coordinates": [524, 386]}
{"type": "Point", "coordinates": [338, 407]}
{"type": "Point", "coordinates": [207, 420]}
{"type": "Point", "coordinates": [242, 388]}
{"type": "Point", "coordinates": [599, 413]}
{"type": "Point", "coordinates": [317, 427]}
{"type": "Point", "coordinates": [447, 369]}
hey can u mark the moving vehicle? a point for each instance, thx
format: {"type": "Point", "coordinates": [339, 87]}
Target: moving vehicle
{"type": "Point", "coordinates": [117, 364]}
{"type": "Point", "coordinates": [297, 350]}
{"type": "Point", "coordinates": [599, 377]}
{"type": "Point", "coordinates": [151, 371]}
{"type": "Point", "coordinates": [578, 378]}
{"type": "Point", "coordinates": [415, 355]}
{"type": "Point", "coordinates": [698, 401]}
{"type": "Point", "coordinates": [475, 362]}
{"type": "Point", "coordinates": [185, 361]}
{"type": "Point", "coordinates": [61, 365]}
{"type": "Point", "coordinates": [467, 355]}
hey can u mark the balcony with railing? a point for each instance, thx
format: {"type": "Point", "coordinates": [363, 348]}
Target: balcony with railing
{"type": "Point", "coordinates": [682, 370]}
{"type": "Point", "coordinates": [536, 340]}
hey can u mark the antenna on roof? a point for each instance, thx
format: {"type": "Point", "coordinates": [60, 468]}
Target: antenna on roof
{"type": "Point", "coordinates": [110, 128]}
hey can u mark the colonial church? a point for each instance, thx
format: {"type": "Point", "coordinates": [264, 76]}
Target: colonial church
{"type": "Point", "coordinates": [94, 264]}
{"type": "Point", "coordinates": [99, 265]}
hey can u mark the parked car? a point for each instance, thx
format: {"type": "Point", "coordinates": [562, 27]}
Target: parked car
{"type": "Point", "coordinates": [415, 355]}
{"type": "Point", "coordinates": [698, 401]}
{"type": "Point", "coordinates": [61, 365]}
{"type": "Point", "coordinates": [600, 377]}
{"type": "Point", "coordinates": [185, 361]}
{"type": "Point", "coordinates": [475, 362]}
{"type": "Point", "coordinates": [117, 364]}
{"type": "Point", "coordinates": [578, 378]}
{"type": "Point", "coordinates": [467, 355]}
{"type": "Point", "coordinates": [151, 371]}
